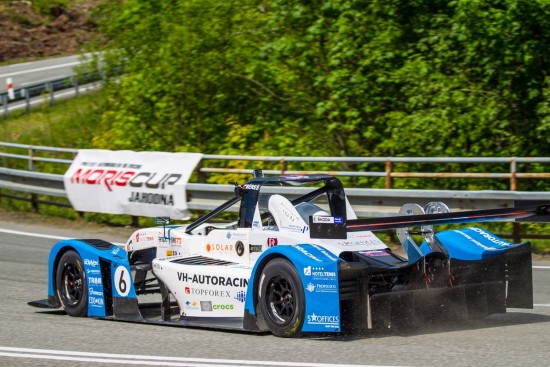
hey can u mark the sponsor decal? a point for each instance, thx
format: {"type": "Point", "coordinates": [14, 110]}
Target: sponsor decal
{"type": "Point", "coordinates": [251, 187]}
{"type": "Point", "coordinates": [219, 248]}
{"type": "Point", "coordinates": [206, 306]}
{"type": "Point", "coordinates": [475, 242]}
{"type": "Point", "coordinates": [151, 198]}
{"type": "Point", "coordinates": [192, 305]}
{"type": "Point", "coordinates": [239, 246]}
{"type": "Point", "coordinates": [236, 235]}
{"type": "Point", "coordinates": [92, 263]}
{"type": "Point", "coordinates": [175, 241]}
{"type": "Point", "coordinates": [171, 253]}
{"type": "Point", "coordinates": [330, 321]}
{"type": "Point", "coordinates": [272, 242]}
{"type": "Point", "coordinates": [255, 248]}
{"type": "Point", "coordinates": [207, 292]}
{"type": "Point", "coordinates": [111, 178]}
{"type": "Point", "coordinates": [318, 272]}
{"type": "Point", "coordinates": [222, 307]}
{"type": "Point", "coordinates": [490, 237]}
{"type": "Point", "coordinates": [241, 296]}
{"type": "Point", "coordinates": [111, 165]}
{"type": "Point", "coordinates": [374, 253]}
{"type": "Point", "coordinates": [95, 302]}
{"type": "Point", "coordinates": [322, 219]}
{"type": "Point", "coordinates": [94, 280]}
{"type": "Point", "coordinates": [358, 243]}
{"type": "Point", "coordinates": [93, 292]}
{"type": "Point", "coordinates": [132, 183]}
{"type": "Point", "coordinates": [307, 253]}
{"type": "Point", "coordinates": [144, 237]}
{"type": "Point", "coordinates": [213, 280]}
{"type": "Point", "coordinates": [93, 271]}
{"type": "Point", "coordinates": [322, 288]}
{"type": "Point", "coordinates": [115, 251]}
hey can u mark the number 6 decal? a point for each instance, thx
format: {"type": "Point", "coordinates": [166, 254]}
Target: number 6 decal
{"type": "Point", "coordinates": [122, 281]}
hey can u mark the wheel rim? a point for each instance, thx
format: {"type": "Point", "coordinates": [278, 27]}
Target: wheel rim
{"type": "Point", "coordinates": [281, 300]}
{"type": "Point", "coordinates": [72, 285]}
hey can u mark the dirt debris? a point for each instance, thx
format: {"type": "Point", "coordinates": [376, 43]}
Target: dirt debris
{"type": "Point", "coordinates": [27, 33]}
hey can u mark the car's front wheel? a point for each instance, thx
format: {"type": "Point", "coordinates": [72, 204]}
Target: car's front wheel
{"type": "Point", "coordinates": [281, 298]}
{"type": "Point", "coordinates": [70, 281]}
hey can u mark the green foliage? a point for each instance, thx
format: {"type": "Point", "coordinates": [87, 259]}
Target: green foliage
{"type": "Point", "coordinates": [329, 78]}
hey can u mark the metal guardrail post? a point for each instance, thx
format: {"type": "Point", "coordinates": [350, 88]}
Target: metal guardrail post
{"type": "Point", "coordinates": [26, 93]}
{"type": "Point", "coordinates": [513, 174]}
{"type": "Point", "coordinates": [516, 235]}
{"type": "Point", "coordinates": [49, 88]}
{"type": "Point", "coordinates": [282, 165]}
{"type": "Point", "coordinates": [389, 179]}
{"type": "Point", "coordinates": [32, 167]}
{"type": "Point", "coordinates": [201, 176]}
{"type": "Point", "coordinates": [74, 82]}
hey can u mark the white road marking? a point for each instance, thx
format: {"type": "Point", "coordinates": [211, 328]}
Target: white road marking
{"type": "Point", "coordinates": [28, 71]}
{"type": "Point", "coordinates": [151, 360]}
{"type": "Point", "coordinates": [541, 304]}
{"type": "Point", "coordinates": [29, 234]}
{"type": "Point", "coordinates": [540, 267]}
{"type": "Point", "coordinates": [40, 235]}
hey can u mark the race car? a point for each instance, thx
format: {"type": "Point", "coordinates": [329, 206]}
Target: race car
{"type": "Point", "coordinates": [295, 265]}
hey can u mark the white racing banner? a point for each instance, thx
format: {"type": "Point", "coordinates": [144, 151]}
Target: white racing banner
{"type": "Point", "coordinates": [125, 182]}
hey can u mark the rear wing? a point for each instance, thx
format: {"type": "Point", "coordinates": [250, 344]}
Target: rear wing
{"type": "Point", "coordinates": [335, 228]}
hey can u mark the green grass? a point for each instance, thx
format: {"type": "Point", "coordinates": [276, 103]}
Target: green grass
{"type": "Point", "coordinates": [70, 123]}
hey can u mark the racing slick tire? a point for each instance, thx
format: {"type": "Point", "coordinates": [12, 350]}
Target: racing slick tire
{"type": "Point", "coordinates": [70, 281]}
{"type": "Point", "coordinates": [281, 298]}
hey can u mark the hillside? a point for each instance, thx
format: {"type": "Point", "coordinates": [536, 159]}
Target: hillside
{"type": "Point", "coordinates": [34, 29]}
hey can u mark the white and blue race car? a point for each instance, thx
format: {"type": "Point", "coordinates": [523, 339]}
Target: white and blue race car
{"type": "Point", "coordinates": [294, 266]}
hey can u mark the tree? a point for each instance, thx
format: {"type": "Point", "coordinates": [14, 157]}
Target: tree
{"type": "Point", "coordinates": [330, 77]}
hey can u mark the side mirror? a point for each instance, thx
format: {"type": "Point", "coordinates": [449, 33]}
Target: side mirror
{"type": "Point", "coordinates": [164, 221]}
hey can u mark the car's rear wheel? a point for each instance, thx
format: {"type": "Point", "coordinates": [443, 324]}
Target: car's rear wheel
{"type": "Point", "coordinates": [281, 298]}
{"type": "Point", "coordinates": [70, 281]}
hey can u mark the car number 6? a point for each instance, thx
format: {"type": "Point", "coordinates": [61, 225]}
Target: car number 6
{"type": "Point", "coordinates": [122, 279]}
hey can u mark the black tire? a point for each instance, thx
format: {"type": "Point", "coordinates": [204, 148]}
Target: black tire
{"type": "Point", "coordinates": [70, 281]}
{"type": "Point", "coordinates": [281, 298]}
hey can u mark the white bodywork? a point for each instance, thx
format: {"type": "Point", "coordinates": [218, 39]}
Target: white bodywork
{"type": "Point", "coordinates": [184, 262]}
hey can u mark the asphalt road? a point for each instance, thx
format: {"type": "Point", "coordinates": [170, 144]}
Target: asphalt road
{"type": "Point", "coordinates": [32, 337]}
{"type": "Point", "coordinates": [36, 72]}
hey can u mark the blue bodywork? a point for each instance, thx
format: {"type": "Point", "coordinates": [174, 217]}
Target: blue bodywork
{"type": "Point", "coordinates": [106, 269]}
{"type": "Point", "coordinates": [318, 270]}
{"type": "Point", "coordinates": [471, 243]}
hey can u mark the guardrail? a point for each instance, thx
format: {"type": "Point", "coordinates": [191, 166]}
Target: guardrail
{"type": "Point", "coordinates": [47, 88]}
{"type": "Point", "coordinates": [368, 202]}
{"type": "Point", "coordinates": [30, 179]}
{"type": "Point", "coordinates": [202, 196]}
{"type": "Point", "coordinates": [512, 170]}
